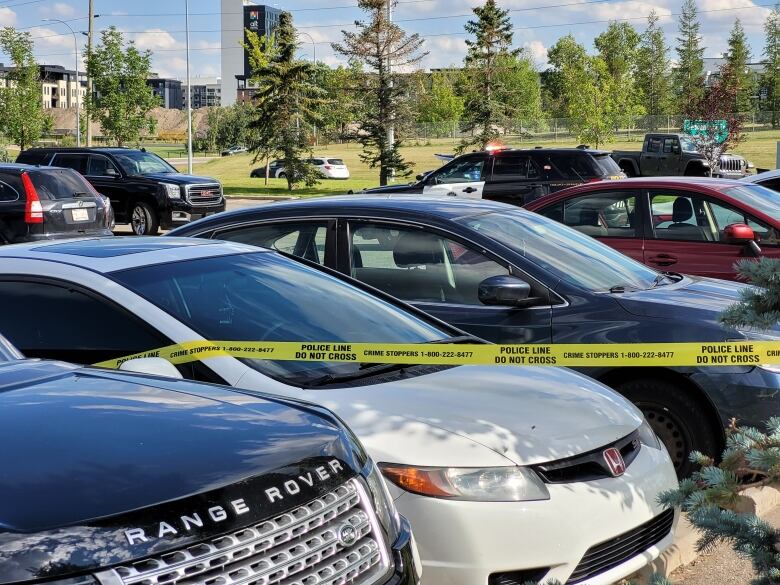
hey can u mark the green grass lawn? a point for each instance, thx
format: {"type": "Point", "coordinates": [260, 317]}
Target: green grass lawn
{"type": "Point", "coordinates": [233, 171]}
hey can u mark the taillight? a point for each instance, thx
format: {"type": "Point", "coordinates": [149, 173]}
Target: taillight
{"type": "Point", "coordinates": [33, 210]}
{"type": "Point", "coordinates": [595, 180]}
{"type": "Point", "coordinates": [328, 167]}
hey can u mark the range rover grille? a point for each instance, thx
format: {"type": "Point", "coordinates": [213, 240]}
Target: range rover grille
{"type": "Point", "coordinates": [300, 547]}
{"type": "Point", "coordinates": [204, 194]}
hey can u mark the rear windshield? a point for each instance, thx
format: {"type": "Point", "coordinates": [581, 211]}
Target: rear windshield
{"type": "Point", "coordinates": [59, 184]}
{"type": "Point", "coordinates": [607, 164]}
{"type": "Point", "coordinates": [583, 165]}
{"type": "Point", "coordinates": [335, 161]}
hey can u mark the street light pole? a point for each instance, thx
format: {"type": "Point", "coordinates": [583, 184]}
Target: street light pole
{"type": "Point", "coordinates": [189, 89]}
{"type": "Point", "coordinates": [78, 81]}
{"type": "Point", "coordinates": [314, 51]}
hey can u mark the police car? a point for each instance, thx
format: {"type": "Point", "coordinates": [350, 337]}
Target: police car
{"type": "Point", "coordinates": [516, 176]}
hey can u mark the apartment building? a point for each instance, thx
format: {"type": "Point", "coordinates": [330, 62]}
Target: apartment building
{"type": "Point", "coordinates": [205, 92]}
{"type": "Point", "coordinates": [59, 88]}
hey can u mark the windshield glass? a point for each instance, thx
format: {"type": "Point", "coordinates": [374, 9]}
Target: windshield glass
{"type": "Point", "coordinates": [764, 200]}
{"type": "Point", "coordinates": [563, 252]}
{"type": "Point", "coordinates": [7, 351]}
{"type": "Point", "coordinates": [137, 162]}
{"type": "Point", "coordinates": [687, 144]}
{"type": "Point", "coordinates": [266, 297]}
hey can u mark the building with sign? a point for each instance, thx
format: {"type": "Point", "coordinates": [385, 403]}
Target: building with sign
{"type": "Point", "coordinates": [239, 16]}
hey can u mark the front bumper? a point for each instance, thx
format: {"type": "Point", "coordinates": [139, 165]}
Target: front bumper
{"type": "Point", "coordinates": [749, 395]}
{"type": "Point", "coordinates": [183, 213]}
{"type": "Point", "coordinates": [406, 560]}
{"type": "Point", "coordinates": [463, 543]}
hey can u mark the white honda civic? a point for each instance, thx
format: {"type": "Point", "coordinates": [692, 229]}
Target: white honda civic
{"type": "Point", "coordinates": [507, 474]}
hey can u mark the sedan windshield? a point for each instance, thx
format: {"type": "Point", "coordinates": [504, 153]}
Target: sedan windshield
{"type": "Point", "coordinates": [138, 162]}
{"type": "Point", "coordinates": [760, 198]}
{"type": "Point", "coordinates": [266, 297]}
{"type": "Point", "coordinates": [563, 252]}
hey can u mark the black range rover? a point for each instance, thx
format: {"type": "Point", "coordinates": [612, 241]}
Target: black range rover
{"type": "Point", "coordinates": [112, 478]}
{"type": "Point", "coordinates": [145, 190]}
{"type": "Point", "coordinates": [515, 176]}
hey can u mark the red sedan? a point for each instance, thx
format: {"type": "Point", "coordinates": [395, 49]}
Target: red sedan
{"type": "Point", "coordinates": [689, 225]}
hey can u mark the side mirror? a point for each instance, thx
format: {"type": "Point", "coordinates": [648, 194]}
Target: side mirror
{"type": "Point", "coordinates": [506, 291]}
{"type": "Point", "coordinates": [738, 233]}
{"type": "Point", "coordinates": [154, 366]}
{"type": "Point", "coordinates": [420, 177]}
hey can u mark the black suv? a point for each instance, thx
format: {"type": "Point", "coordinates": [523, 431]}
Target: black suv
{"type": "Point", "coordinates": [516, 176]}
{"type": "Point", "coordinates": [44, 204]}
{"type": "Point", "coordinates": [150, 480]}
{"type": "Point", "coordinates": [145, 191]}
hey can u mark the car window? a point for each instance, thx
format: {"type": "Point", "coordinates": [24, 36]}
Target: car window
{"type": "Point", "coordinates": [7, 193]}
{"type": "Point", "coordinates": [677, 216]}
{"type": "Point", "coordinates": [464, 171]}
{"type": "Point", "coordinates": [305, 239]}
{"type": "Point", "coordinates": [99, 165]}
{"type": "Point", "coordinates": [335, 161]}
{"type": "Point", "coordinates": [604, 214]}
{"type": "Point", "coordinates": [265, 297]}
{"type": "Point", "coordinates": [414, 265]}
{"type": "Point", "coordinates": [575, 165]}
{"type": "Point", "coordinates": [653, 145]}
{"type": "Point", "coordinates": [669, 145]}
{"type": "Point", "coordinates": [317, 161]}
{"type": "Point", "coordinates": [725, 215]}
{"type": "Point", "coordinates": [77, 162]}
{"type": "Point", "coordinates": [60, 184]}
{"type": "Point", "coordinates": [773, 184]}
{"type": "Point", "coordinates": [69, 324]}
{"type": "Point", "coordinates": [510, 167]}
{"type": "Point", "coordinates": [607, 164]}
{"type": "Point", "coordinates": [756, 197]}
{"type": "Point", "coordinates": [138, 162]}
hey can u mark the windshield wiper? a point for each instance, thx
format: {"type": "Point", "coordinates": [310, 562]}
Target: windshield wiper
{"type": "Point", "coordinates": [365, 371]}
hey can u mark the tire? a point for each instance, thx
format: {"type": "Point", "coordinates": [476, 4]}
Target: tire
{"type": "Point", "coordinates": [143, 219]}
{"type": "Point", "coordinates": [677, 418]}
{"type": "Point", "coordinates": [281, 175]}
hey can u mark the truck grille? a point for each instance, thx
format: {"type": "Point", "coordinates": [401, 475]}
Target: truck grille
{"type": "Point", "coordinates": [730, 164]}
{"type": "Point", "coordinates": [204, 194]}
{"type": "Point", "coordinates": [300, 547]}
{"type": "Point", "coordinates": [618, 550]}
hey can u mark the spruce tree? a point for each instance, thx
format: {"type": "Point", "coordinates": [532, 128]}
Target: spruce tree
{"type": "Point", "coordinates": [770, 81]}
{"type": "Point", "coordinates": [382, 48]}
{"type": "Point", "coordinates": [740, 78]}
{"type": "Point", "coordinates": [689, 75]}
{"type": "Point", "coordinates": [653, 70]}
{"type": "Point", "coordinates": [492, 40]}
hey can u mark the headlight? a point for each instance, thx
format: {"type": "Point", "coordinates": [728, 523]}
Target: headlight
{"type": "Point", "coordinates": [173, 191]}
{"type": "Point", "coordinates": [383, 503]}
{"type": "Point", "coordinates": [491, 484]}
{"type": "Point", "coordinates": [648, 437]}
{"type": "Point", "coordinates": [757, 336]}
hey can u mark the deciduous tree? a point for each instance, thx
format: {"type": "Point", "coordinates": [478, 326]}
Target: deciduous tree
{"type": "Point", "coordinates": [439, 107]}
{"type": "Point", "coordinates": [382, 48]}
{"type": "Point", "coordinates": [122, 101]}
{"type": "Point", "coordinates": [22, 118]}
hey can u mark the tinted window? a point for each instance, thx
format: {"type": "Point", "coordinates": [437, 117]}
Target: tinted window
{"type": "Point", "coordinates": [265, 297]}
{"type": "Point", "coordinates": [57, 322]}
{"type": "Point", "coordinates": [606, 214]}
{"type": "Point", "coordinates": [7, 193]}
{"type": "Point", "coordinates": [653, 145]}
{"type": "Point", "coordinates": [335, 161]}
{"type": "Point", "coordinates": [463, 171]}
{"type": "Point", "coordinates": [99, 165]}
{"type": "Point", "coordinates": [670, 145]}
{"type": "Point", "coordinates": [137, 162]}
{"type": "Point", "coordinates": [773, 184]}
{"type": "Point", "coordinates": [514, 167]}
{"type": "Point", "coordinates": [417, 266]}
{"type": "Point", "coordinates": [317, 161]}
{"type": "Point", "coordinates": [607, 164]}
{"type": "Point", "coordinates": [59, 184]}
{"type": "Point", "coordinates": [305, 239]}
{"type": "Point", "coordinates": [77, 162]}
{"type": "Point", "coordinates": [563, 252]}
{"type": "Point", "coordinates": [575, 166]}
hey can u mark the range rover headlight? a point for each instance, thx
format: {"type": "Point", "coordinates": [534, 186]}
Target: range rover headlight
{"type": "Point", "coordinates": [173, 191]}
{"type": "Point", "coordinates": [648, 437]}
{"type": "Point", "coordinates": [383, 503]}
{"type": "Point", "coordinates": [490, 484]}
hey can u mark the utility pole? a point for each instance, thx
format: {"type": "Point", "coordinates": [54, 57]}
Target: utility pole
{"type": "Point", "coordinates": [90, 32]}
{"type": "Point", "coordinates": [189, 87]}
{"type": "Point", "coordinates": [391, 125]}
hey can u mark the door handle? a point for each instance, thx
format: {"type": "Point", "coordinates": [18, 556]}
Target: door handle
{"type": "Point", "coordinates": [469, 190]}
{"type": "Point", "coordinates": [663, 259]}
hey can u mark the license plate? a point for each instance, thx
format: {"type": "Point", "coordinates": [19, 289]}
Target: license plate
{"type": "Point", "coordinates": [80, 214]}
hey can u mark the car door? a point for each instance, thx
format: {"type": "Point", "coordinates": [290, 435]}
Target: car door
{"type": "Point", "coordinates": [12, 205]}
{"type": "Point", "coordinates": [463, 177]}
{"type": "Point", "coordinates": [687, 234]}
{"type": "Point", "coordinates": [106, 178]}
{"type": "Point", "coordinates": [611, 216]}
{"type": "Point", "coordinates": [440, 274]}
{"type": "Point", "coordinates": [669, 159]}
{"type": "Point", "coordinates": [648, 159]}
{"type": "Point", "coordinates": [516, 179]}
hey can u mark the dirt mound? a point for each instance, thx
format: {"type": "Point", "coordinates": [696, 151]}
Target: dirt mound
{"type": "Point", "coordinates": [171, 124]}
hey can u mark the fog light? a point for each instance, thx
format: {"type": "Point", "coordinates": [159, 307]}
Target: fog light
{"type": "Point", "coordinates": [181, 216]}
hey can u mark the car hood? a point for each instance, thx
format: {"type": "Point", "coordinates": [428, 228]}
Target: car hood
{"type": "Point", "coordinates": [517, 415]}
{"type": "Point", "coordinates": [180, 179]}
{"type": "Point", "coordinates": [89, 455]}
{"type": "Point", "coordinates": [407, 188]}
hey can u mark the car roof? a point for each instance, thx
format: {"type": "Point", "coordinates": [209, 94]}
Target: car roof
{"type": "Point", "coordinates": [762, 176]}
{"type": "Point", "coordinates": [79, 149]}
{"type": "Point", "coordinates": [104, 255]}
{"type": "Point", "coordinates": [19, 167]}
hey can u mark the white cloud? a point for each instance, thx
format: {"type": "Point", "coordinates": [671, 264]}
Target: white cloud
{"type": "Point", "coordinates": [7, 17]}
{"type": "Point", "coordinates": [155, 39]}
{"type": "Point", "coordinates": [61, 9]}
{"type": "Point", "coordinates": [538, 52]}
{"type": "Point", "coordinates": [726, 11]}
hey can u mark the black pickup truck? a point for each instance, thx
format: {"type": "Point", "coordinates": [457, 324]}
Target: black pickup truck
{"type": "Point", "coordinates": [672, 155]}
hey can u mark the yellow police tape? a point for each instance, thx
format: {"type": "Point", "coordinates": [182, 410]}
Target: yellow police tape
{"type": "Point", "coordinates": [743, 353]}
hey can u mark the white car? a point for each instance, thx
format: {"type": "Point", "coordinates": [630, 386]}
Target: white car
{"type": "Point", "coordinates": [330, 167]}
{"type": "Point", "coordinates": [507, 474]}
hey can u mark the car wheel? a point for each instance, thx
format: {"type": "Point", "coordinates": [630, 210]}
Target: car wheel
{"type": "Point", "coordinates": [676, 417]}
{"type": "Point", "coordinates": [143, 219]}
{"type": "Point", "coordinates": [281, 175]}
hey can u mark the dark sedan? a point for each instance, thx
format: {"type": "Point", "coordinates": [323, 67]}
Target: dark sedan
{"type": "Point", "coordinates": [693, 225]}
{"type": "Point", "coordinates": [511, 276]}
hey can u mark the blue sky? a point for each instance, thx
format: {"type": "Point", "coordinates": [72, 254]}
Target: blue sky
{"type": "Point", "coordinates": [159, 25]}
